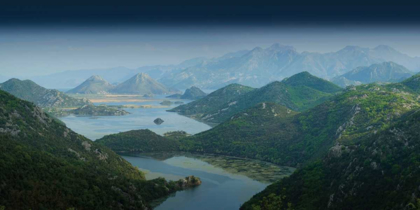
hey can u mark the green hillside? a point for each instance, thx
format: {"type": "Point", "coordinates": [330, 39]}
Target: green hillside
{"type": "Point", "coordinates": [138, 141]}
{"type": "Point", "coordinates": [380, 171]}
{"type": "Point", "coordinates": [212, 101]}
{"type": "Point", "coordinates": [42, 97]}
{"type": "Point", "coordinates": [45, 165]}
{"type": "Point", "coordinates": [299, 92]}
{"type": "Point", "coordinates": [295, 139]}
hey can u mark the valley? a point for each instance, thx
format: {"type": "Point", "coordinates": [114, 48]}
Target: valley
{"type": "Point", "coordinates": [273, 129]}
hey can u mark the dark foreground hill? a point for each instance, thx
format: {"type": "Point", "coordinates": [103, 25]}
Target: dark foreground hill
{"type": "Point", "coordinates": [380, 171]}
{"type": "Point", "coordinates": [45, 165]}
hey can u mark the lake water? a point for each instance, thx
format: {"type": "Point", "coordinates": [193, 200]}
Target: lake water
{"type": "Point", "coordinates": [226, 182]}
{"type": "Point", "coordinates": [140, 118]}
{"type": "Point", "coordinates": [221, 188]}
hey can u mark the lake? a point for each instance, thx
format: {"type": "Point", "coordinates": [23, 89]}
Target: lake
{"type": "Point", "coordinates": [140, 118]}
{"type": "Point", "coordinates": [227, 182]}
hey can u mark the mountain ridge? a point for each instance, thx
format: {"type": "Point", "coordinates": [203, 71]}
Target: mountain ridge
{"type": "Point", "coordinates": [93, 85]}
{"type": "Point", "coordinates": [299, 92]}
{"type": "Point", "coordinates": [30, 91]}
{"type": "Point", "coordinates": [259, 66]}
{"type": "Point", "coordinates": [382, 72]}
{"type": "Point", "coordinates": [141, 83]}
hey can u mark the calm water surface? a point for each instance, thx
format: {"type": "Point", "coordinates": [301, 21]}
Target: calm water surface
{"type": "Point", "coordinates": [140, 118]}
{"type": "Point", "coordinates": [220, 189]}
{"type": "Point", "coordinates": [226, 182]}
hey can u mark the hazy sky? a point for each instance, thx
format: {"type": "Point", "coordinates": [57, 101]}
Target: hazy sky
{"type": "Point", "coordinates": [45, 41]}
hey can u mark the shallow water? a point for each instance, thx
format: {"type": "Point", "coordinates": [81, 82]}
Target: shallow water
{"type": "Point", "coordinates": [140, 118]}
{"type": "Point", "coordinates": [220, 188]}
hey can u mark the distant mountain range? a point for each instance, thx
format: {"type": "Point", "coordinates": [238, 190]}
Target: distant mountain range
{"type": "Point", "coordinates": [94, 85]}
{"type": "Point", "coordinates": [55, 102]}
{"type": "Point", "coordinates": [141, 83]}
{"type": "Point", "coordinates": [299, 92]}
{"type": "Point", "coordinates": [254, 68]}
{"type": "Point", "coordinates": [71, 79]}
{"type": "Point", "coordinates": [382, 72]}
{"type": "Point", "coordinates": [42, 97]}
{"type": "Point", "coordinates": [261, 66]}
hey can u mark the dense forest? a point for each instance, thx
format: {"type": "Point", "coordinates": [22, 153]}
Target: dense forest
{"type": "Point", "coordinates": [381, 171]}
{"type": "Point", "coordinates": [45, 165]}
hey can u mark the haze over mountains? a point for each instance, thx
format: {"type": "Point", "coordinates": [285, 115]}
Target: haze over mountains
{"type": "Point", "coordinates": [141, 83]}
{"type": "Point", "coordinates": [71, 79]}
{"type": "Point", "coordinates": [94, 85]}
{"type": "Point", "coordinates": [254, 68]}
{"type": "Point", "coordinates": [261, 66]}
{"type": "Point", "coordinates": [382, 72]}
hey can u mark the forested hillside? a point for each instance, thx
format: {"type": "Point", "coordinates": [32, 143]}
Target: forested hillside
{"type": "Point", "coordinates": [45, 165]}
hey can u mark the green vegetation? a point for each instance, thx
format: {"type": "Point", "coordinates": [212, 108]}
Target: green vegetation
{"type": "Point", "coordinates": [101, 110]}
{"type": "Point", "coordinates": [176, 134]}
{"type": "Point", "coordinates": [192, 93]}
{"type": "Point", "coordinates": [138, 141]}
{"type": "Point", "coordinates": [413, 83]}
{"type": "Point", "coordinates": [166, 103]}
{"type": "Point", "coordinates": [211, 102]}
{"type": "Point", "coordinates": [278, 135]}
{"type": "Point", "coordinates": [42, 97]}
{"type": "Point", "coordinates": [299, 92]}
{"type": "Point", "coordinates": [87, 110]}
{"type": "Point", "coordinates": [380, 171]}
{"type": "Point", "coordinates": [45, 165]}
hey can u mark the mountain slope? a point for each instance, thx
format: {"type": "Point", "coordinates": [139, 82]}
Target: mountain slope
{"type": "Point", "coordinates": [136, 141]}
{"type": "Point", "coordinates": [212, 101]}
{"type": "Point", "coordinates": [141, 84]}
{"type": "Point", "coordinates": [30, 91]}
{"type": "Point", "coordinates": [260, 66]}
{"type": "Point", "coordinates": [45, 165]}
{"type": "Point", "coordinates": [383, 72]}
{"type": "Point", "coordinates": [381, 171]}
{"type": "Point", "coordinates": [299, 92]}
{"type": "Point", "coordinates": [413, 83]}
{"type": "Point", "coordinates": [301, 138]}
{"type": "Point", "coordinates": [192, 93]}
{"type": "Point", "coordinates": [93, 85]}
